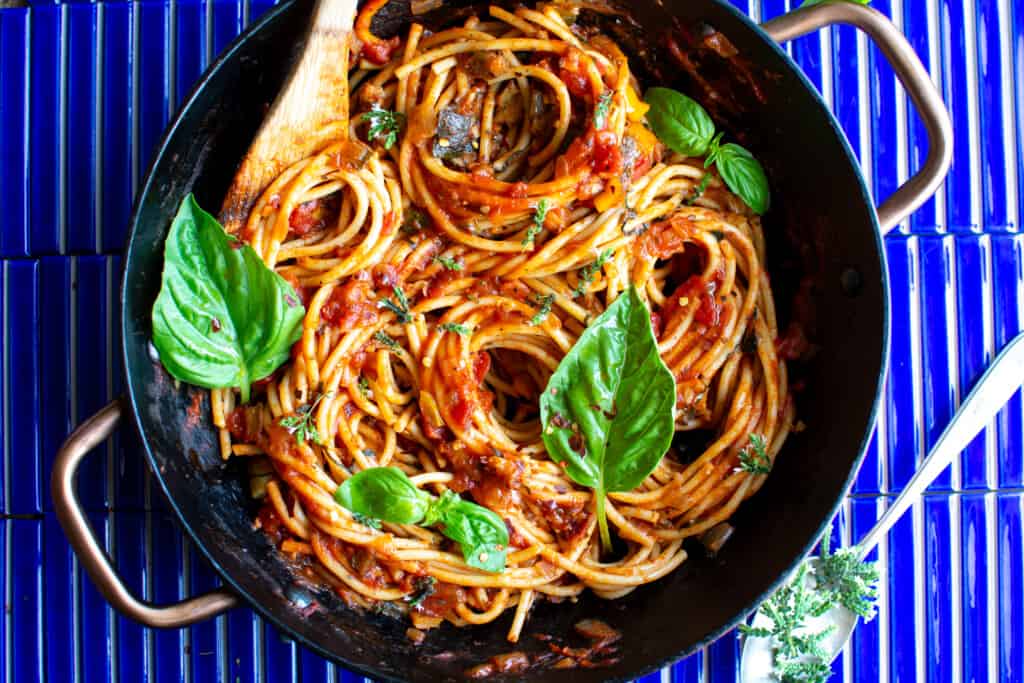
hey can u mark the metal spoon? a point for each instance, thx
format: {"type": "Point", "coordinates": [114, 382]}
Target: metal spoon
{"type": "Point", "coordinates": [1000, 381]}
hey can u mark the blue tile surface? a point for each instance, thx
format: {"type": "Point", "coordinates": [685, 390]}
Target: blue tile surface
{"type": "Point", "coordinates": [86, 89]}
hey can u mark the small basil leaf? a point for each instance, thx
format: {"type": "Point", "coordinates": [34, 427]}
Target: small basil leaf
{"type": "Point", "coordinates": [481, 533]}
{"type": "Point", "coordinates": [679, 122]}
{"type": "Point", "coordinates": [222, 318]}
{"type": "Point", "coordinates": [608, 412]}
{"type": "Point", "coordinates": [744, 175]}
{"type": "Point", "coordinates": [384, 493]}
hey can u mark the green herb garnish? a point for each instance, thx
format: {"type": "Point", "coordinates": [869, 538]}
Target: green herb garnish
{"type": "Point", "coordinates": [386, 493]}
{"type": "Point", "coordinates": [608, 411]}
{"type": "Point", "coordinates": [222, 318]}
{"type": "Point", "coordinates": [685, 127]}
{"type": "Point", "coordinates": [754, 457]}
{"type": "Point", "coordinates": [400, 306]}
{"type": "Point", "coordinates": [604, 103]}
{"type": "Point", "coordinates": [538, 222]}
{"type": "Point", "coordinates": [424, 586]}
{"type": "Point", "coordinates": [836, 580]}
{"type": "Point", "coordinates": [699, 189]}
{"type": "Point", "coordinates": [384, 339]}
{"type": "Point", "coordinates": [448, 262]}
{"type": "Point", "coordinates": [364, 384]}
{"type": "Point", "coordinates": [365, 520]}
{"type": "Point", "coordinates": [544, 304]}
{"type": "Point", "coordinates": [384, 125]}
{"type": "Point", "coordinates": [589, 272]}
{"type": "Point", "coordinates": [456, 328]}
{"type": "Point", "coordinates": [798, 655]}
{"type": "Point", "coordinates": [852, 583]}
{"type": "Point", "coordinates": [301, 423]}
{"type": "Point", "coordinates": [415, 221]}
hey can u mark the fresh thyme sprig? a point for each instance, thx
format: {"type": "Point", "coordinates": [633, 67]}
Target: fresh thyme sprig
{"type": "Point", "coordinates": [456, 328]}
{"type": "Point", "coordinates": [538, 222]}
{"type": "Point", "coordinates": [385, 339]}
{"type": "Point", "coordinates": [604, 103]}
{"type": "Point", "coordinates": [424, 589]}
{"type": "Point", "coordinates": [384, 125]}
{"type": "Point", "coordinates": [448, 262]}
{"type": "Point", "coordinates": [544, 304]}
{"type": "Point", "coordinates": [589, 272]}
{"type": "Point", "coordinates": [301, 423]}
{"type": "Point", "coordinates": [400, 306]}
{"type": "Point", "coordinates": [754, 458]}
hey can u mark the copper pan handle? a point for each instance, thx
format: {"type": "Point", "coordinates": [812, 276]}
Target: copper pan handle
{"type": "Point", "coordinates": [90, 554]}
{"type": "Point", "coordinates": [911, 74]}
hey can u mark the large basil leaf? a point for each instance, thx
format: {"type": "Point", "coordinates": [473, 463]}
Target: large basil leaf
{"type": "Point", "coordinates": [679, 122]}
{"type": "Point", "coordinates": [222, 318]}
{"type": "Point", "coordinates": [384, 493]}
{"type": "Point", "coordinates": [744, 175]}
{"type": "Point", "coordinates": [608, 412]}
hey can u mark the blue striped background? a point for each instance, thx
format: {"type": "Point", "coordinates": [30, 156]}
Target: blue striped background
{"type": "Point", "coordinates": [87, 88]}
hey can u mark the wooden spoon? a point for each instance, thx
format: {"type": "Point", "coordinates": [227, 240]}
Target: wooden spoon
{"type": "Point", "coordinates": [299, 122]}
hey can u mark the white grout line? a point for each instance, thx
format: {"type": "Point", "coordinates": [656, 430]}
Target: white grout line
{"type": "Point", "coordinates": [827, 76]}
{"type": "Point", "coordinates": [955, 529]}
{"type": "Point", "coordinates": [973, 114]}
{"type": "Point", "coordinates": [864, 114]}
{"type": "Point", "coordinates": [1009, 136]}
{"type": "Point", "coordinates": [134, 132]}
{"type": "Point", "coordinates": [902, 129]}
{"type": "Point", "coordinates": [935, 60]}
{"type": "Point", "coordinates": [920, 572]}
{"type": "Point", "coordinates": [992, 585]}
{"type": "Point", "coordinates": [172, 57]}
{"type": "Point", "coordinates": [62, 150]}
{"type": "Point", "coordinates": [98, 132]}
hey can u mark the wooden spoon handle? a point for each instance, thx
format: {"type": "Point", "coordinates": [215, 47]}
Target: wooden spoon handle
{"type": "Point", "coordinates": [309, 112]}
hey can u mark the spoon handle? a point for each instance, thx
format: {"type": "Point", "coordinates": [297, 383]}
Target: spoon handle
{"type": "Point", "coordinates": [1002, 378]}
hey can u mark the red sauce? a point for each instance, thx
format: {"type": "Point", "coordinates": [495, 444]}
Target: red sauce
{"type": "Point", "coordinates": [492, 480]}
{"type": "Point", "coordinates": [240, 425]}
{"type": "Point", "coordinates": [794, 344]}
{"type": "Point", "coordinates": [607, 153]}
{"type": "Point", "coordinates": [270, 523]}
{"type": "Point", "coordinates": [375, 50]}
{"type": "Point", "coordinates": [568, 521]}
{"type": "Point", "coordinates": [350, 305]}
{"type": "Point", "coordinates": [467, 397]}
{"type": "Point", "coordinates": [442, 602]}
{"type": "Point", "coordinates": [315, 214]}
{"type": "Point", "coordinates": [571, 72]}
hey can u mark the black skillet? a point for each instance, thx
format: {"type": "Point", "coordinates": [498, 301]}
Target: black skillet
{"type": "Point", "coordinates": [824, 236]}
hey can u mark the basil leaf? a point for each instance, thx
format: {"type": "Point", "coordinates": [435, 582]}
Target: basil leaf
{"type": "Point", "coordinates": [608, 411]}
{"type": "Point", "coordinates": [744, 175]}
{"type": "Point", "coordinates": [679, 122]}
{"type": "Point", "coordinates": [481, 533]}
{"type": "Point", "coordinates": [222, 318]}
{"type": "Point", "coordinates": [384, 493]}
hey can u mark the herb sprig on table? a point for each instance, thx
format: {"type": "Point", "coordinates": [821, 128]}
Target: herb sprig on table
{"type": "Point", "coordinates": [837, 579]}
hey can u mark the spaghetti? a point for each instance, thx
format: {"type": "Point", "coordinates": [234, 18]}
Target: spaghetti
{"type": "Point", "coordinates": [447, 274]}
